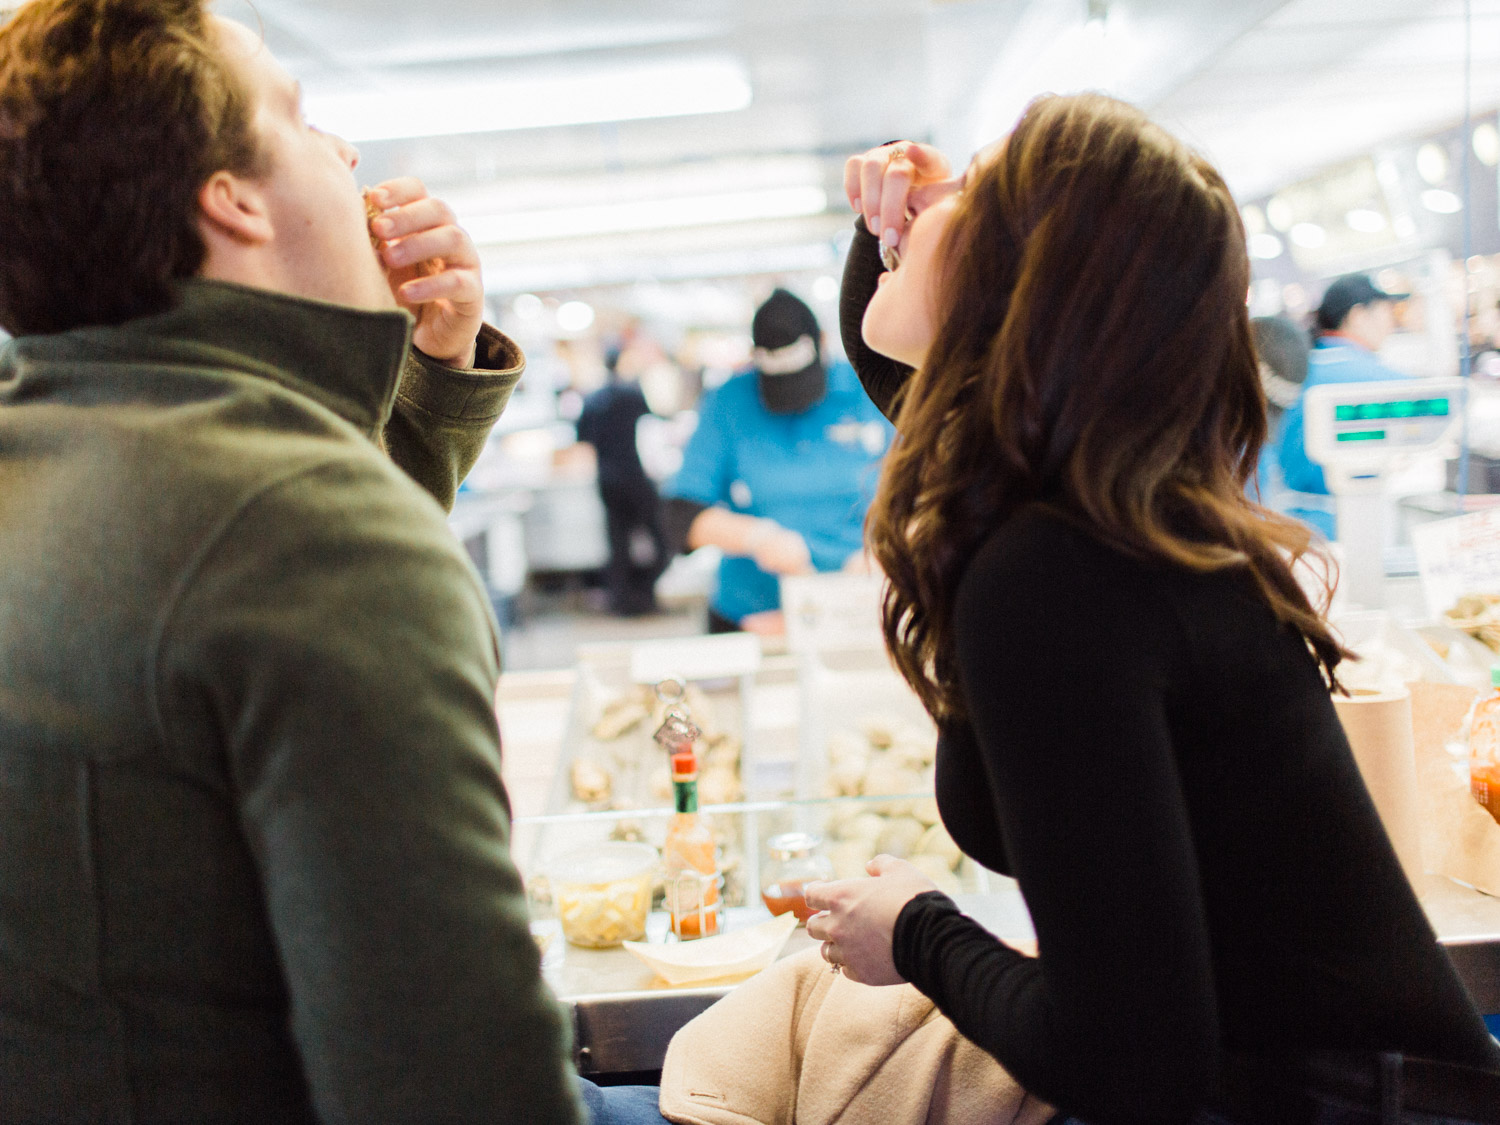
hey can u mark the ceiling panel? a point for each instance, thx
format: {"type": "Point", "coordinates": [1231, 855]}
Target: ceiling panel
{"type": "Point", "coordinates": [1270, 89]}
{"type": "Point", "coordinates": [1322, 80]}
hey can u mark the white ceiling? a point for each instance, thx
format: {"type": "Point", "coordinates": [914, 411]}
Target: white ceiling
{"type": "Point", "coordinates": [1321, 80]}
{"type": "Point", "coordinates": [1271, 90]}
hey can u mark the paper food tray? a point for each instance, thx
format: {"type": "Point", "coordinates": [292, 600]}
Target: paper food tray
{"type": "Point", "coordinates": [735, 954]}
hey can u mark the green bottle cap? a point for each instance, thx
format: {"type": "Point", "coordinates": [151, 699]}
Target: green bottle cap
{"type": "Point", "coordinates": [1495, 675]}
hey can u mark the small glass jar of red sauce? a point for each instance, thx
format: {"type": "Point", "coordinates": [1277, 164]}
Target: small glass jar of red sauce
{"type": "Point", "coordinates": [795, 861]}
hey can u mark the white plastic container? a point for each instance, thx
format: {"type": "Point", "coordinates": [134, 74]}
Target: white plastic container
{"type": "Point", "coordinates": [603, 892]}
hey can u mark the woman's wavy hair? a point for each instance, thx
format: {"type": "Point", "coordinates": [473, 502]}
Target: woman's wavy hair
{"type": "Point", "coordinates": [1093, 353]}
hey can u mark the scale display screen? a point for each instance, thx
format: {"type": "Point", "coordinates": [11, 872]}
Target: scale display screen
{"type": "Point", "coordinates": [1359, 431]}
{"type": "Point", "coordinates": [1401, 408]}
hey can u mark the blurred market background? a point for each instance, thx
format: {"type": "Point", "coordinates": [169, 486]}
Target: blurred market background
{"type": "Point", "coordinates": [639, 177]}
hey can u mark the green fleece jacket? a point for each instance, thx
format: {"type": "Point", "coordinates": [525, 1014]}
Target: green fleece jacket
{"type": "Point", "coordinates": [253, 837]}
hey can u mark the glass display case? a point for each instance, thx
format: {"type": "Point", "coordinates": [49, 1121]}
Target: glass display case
{"type": "Point", "coordinates": [826, 745]}
{"type": "Point", "coordinates": [624, 1012]}
{"type": "Point", "coordinates": [744, 705]}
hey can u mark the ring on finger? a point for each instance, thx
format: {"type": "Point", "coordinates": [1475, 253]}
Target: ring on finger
{"type": "Point", "coordinates": [895, 152]}
{"type": "Point", "coordinates": [833, 965]}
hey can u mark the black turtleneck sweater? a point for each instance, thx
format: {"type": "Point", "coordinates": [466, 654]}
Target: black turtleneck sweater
{"type": "Point", "coordinates": [1157, 761]}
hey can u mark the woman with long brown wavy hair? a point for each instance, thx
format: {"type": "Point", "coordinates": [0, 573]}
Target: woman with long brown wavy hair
{"type": "Point", "coordinates": [1131, 685]}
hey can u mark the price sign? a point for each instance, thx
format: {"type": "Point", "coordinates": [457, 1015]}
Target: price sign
{"type": "Point", "coordinates": [1456, 557]}
{"type": "Point", "coordinates": [726, 656]}
{"type": "Point", "coordinates": [832, 611]}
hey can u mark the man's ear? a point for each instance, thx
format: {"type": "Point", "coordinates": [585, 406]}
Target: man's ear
{"type": "Point", "coordinates": [234, 207]}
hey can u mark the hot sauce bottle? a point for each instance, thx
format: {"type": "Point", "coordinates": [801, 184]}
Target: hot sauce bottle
{"type": "Point", "coordinates": [690, 857]}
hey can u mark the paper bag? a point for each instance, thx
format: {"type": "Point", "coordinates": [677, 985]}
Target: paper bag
{"type": "Point", "coordinates": [1459, 838]}
{"type": "Point", "coordinates": [1380, 730]}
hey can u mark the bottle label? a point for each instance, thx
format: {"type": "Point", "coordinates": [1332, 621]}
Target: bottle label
{"type": "Point", "coordinates": [685, 794]}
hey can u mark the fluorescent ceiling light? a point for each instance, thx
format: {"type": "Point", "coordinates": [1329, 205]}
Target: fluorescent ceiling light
{"type": "Point", "coordinates": [1280, 214]}
{"type": "Point", "coordinates": [527, 306]}
{"type": "Point", "coordinates": [582, 271]}
{"type": "Point", "coordinates": [575, 316]}
{"type": "Point", "coordinates": [1265, 246]}
{"type": "Point", "coordinates": [647, 214]}
{"type": "Point", "coordinates": [1486, 143]}
{"type": "Point", "coordinates": [1050, 50]}
{"type": "Point", "coordinates": [691, 178]}
{"type": "Point", "coordinates": [509, 42]}
{"type": "Point", "coordinates": [1443, 202]}
{"type": "Point", "coordinates": [676, 88]}
{"type": "Point", "coordinates": [1366, 220]}
{"type": "Point", "coordinates": [1432, 163]}
{"type": "Point", "coordinates": [1309, 236]}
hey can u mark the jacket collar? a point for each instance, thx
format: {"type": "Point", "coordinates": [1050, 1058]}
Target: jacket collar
{"type": "Point", "coordinates": [346, 359]}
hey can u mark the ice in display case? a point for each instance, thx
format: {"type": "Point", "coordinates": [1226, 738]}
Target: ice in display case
{"type": "Point", "coordinates": [745, 706]}
{"type": "Point", "coordinates": [863, 730]}
{"type": "Point", "coordinates": [610, 759]}
{"type": "Point", "coordinates": [864, 733]}
{"type": "Point", "coordinates": [784, 733]}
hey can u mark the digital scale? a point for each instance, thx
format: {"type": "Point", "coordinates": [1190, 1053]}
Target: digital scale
{"type": "Point", "coordinates": [1361, 434]}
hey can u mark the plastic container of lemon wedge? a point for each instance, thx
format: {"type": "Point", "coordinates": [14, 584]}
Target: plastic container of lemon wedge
{"type": "Point", "coordinates": [603, 892]}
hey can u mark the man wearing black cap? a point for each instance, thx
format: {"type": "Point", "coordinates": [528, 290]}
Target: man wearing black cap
{"type": "Point", "coordinates": [1353, 321]}
{"type": "Point", "coordinates": [781, 469]}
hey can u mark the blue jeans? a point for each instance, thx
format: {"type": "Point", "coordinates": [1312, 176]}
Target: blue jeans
{"type": "Point", "coordinates": [621, 1105]}
{"type": "Point", "coordinates": [1328, 1115]}
{"type": "Point", "coordinates": [637, 1105]}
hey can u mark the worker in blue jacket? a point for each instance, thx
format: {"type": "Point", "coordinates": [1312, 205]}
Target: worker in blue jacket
{"type": "Point", "coordinates": [1353, 321]}
{"type": "Point", "coordinates": [780, 470]}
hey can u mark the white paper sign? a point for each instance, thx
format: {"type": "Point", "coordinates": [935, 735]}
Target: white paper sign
{"type": "Point", "coordinates": [1456, 557]}
{"type": "Point", "coordinates": [831, 611]}
{"type": "Point", "coordinates": [718, 657]}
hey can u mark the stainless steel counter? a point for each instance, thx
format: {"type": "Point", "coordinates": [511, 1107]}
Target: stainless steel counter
{"type": "Point", "coordinates": [624, 1015]}
{"type": "Point", "coordinates": [1468, 924]}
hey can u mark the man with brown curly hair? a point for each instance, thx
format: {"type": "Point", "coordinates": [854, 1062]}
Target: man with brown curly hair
{"type": "Point", "coordinates": [253, 838]}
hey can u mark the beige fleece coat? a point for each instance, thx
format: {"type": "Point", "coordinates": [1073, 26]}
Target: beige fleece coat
{"type": "Point", "coordinates": [800, 1045]}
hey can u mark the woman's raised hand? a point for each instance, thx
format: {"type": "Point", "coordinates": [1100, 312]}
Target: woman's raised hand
{"type": "Point", "coordinates": [891, 184]}
{"type": "Point", "coordinates": [856, 918]}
